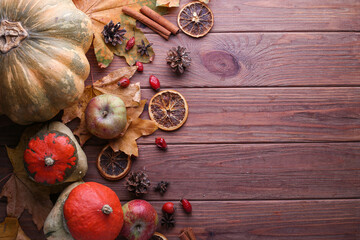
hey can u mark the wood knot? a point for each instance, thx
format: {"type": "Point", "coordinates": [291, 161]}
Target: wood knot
{"type": "Point", "coordinates": [221, 63]}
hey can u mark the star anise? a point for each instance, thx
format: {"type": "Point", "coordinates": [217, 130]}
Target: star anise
{"type": "Point", "coordinates": [161, 187]}
{"type": "Point", "coordinates": [168, 220]}
{"type": "Point", "coordinates": [143, 48]}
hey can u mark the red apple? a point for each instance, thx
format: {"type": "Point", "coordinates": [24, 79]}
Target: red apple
{"type": "Point", "coordinates": [105, 116]}
{"type": "Point", "coordinates": [140, 220]}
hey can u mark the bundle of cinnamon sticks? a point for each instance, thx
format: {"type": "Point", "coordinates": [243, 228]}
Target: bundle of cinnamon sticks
{"type": "Point", "coordinates": [153, 20]}
{"type": "Point", "coordinates": [187, 234]}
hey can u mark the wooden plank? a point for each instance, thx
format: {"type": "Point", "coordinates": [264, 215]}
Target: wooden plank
{"type": "Point", "coordinates": [254, 171]}
{"type": "Point", "coordinates": [243, 115]}
{"type": "Point", "coordinates": [233, 172]}
{"type": "Point", "coordinates": [257, 220]}
{"type": "Point", "coordinates": [282, 15]}
{"type": "Point", "coordinates": [254, 59]}
{"type": "Point", "coordinates": [267, 115]}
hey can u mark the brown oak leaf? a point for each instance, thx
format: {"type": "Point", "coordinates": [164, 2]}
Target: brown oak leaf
{"type": "Point", "coordinates": [23, 193]}
{"type": "Point", "coordinates": [138, 127]}
{"type": "Point", "coordinates": [21, 196]}
{"type": "Point", "coordinates": [101, 13]}
{"type": "Point", "coordinates": [10, 230]}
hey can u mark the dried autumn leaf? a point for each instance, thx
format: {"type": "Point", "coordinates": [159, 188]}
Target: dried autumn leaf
{"type": "Point", "coordinates": [108, 84]}
{"type": "Point", "coordinates": [77, 110]}
{"type": "Point", "coordinates": [138, 127]}
{"type": "Point", "coordinates": [167, 3]}
{"type": "Point", "coordinates": [10, 230]}
{"type": "Point", "coordinates": [23, 193]}
{"type": "Point", "coordinates": [104, 55]}
{"type": "Point", "coordinates": [101, 13]}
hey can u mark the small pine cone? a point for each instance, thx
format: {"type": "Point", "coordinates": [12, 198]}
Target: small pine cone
{"type": "Point", "coordinates": [138, 183]}
{"type": "Point", "coordinates": [161, 187]}
{"type": "Point", "coordinates": [178, 59]}
{"type": "Point", "coordinates": [113, 34]}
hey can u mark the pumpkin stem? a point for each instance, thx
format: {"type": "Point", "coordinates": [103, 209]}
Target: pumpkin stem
{"type": "Point", "coordinates": [49, 161]}
{"type": "Point", "coordinates": [11, 34]}
{"type": "Point", "coordinates": [106, 209]}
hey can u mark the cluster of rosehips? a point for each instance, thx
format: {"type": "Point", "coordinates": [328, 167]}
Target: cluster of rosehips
{"type": "Point", "coordinates": [124, 82]}
{"type": "Point", "coordinates": [169, 207]}
{"type": "Point", "coordinates": [154, 83]}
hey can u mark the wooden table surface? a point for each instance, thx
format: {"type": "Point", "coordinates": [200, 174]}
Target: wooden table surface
{"type": "Point", "coordinates": [271, 148]}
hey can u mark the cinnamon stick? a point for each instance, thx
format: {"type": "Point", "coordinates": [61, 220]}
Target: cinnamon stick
{"type": "Point", "coordinates": [161, 34]}
{"type": "Point", "coordinates": [159, 19]}
{"type": "Point", "coordinates": [183, 236]}
{"type": "Point", "coordinates": [147, 21]}
{"type": "Point", "coordinates": [187, 234]}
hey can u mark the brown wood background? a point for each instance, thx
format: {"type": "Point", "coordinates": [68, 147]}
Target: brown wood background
{"type": "Point", "coordinates": [271, 148]}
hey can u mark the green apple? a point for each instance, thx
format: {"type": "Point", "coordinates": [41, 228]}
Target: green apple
{"type": "Point", "coordinates": [105, 116]}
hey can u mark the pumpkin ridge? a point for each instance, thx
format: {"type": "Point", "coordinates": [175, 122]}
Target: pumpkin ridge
{"type": "Point", "coordinates": [35, 85]}
{"type": "Point", "coordinates": [66, 57]}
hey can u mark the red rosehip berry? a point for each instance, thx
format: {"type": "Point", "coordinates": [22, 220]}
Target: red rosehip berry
{"type": "Point", "coordinates": [186, 205]}
{"type": "Point", "coordinates": [168, 208]}
{"type": "Point", "coordinates": [130, 44]}
{"type": "Point", "coordinates": [161, 143]}
{"type": "Point", "coordinates": [140, 66]}
{"type": "Point", "coordinates": [154, 82]}
{"type": "Point", "coordinates": [124, 82]}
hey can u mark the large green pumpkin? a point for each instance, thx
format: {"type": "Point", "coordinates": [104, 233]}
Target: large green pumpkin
{"type": "Point", "coordinates": [42, 57]}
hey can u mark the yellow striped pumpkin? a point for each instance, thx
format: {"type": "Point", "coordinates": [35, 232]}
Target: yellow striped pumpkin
{"type": "Point", "coordinates": [42, 57]}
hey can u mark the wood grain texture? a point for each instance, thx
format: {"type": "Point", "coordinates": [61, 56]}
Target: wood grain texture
{"type": "Point", "coordinates": [255, 171]}
{"type": "Point", "coordinates": [233, 172]}
{"type": "Point", "coordinates": [257, 220]}
{"type": "Point", "coordinates": [242, 115]}
{"type": "Point", "coordinates": [282, 15]}
{"type": "Point", "coordinates": [270, 150]}
{"type": "Point", "coordinates": [254, 59]}
{"type": "Point", "coordinates": [267, 115]}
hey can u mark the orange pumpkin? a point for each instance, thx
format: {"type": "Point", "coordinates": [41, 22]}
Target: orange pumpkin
{"type": "Point", "coordinates": [53, 156]}
{"type": "Point", "coordinates": [93, 211]}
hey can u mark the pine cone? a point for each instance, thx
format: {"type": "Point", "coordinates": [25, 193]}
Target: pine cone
{"type": "Point", "coordinates": [113, 34]}
{"type": "Point", "coordinates": [178, 59]}
{"type": "Point", "coordinates": [138, 183]}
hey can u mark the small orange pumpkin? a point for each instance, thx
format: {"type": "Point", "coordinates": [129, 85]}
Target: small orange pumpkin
{"type": "Point", "coordinates": [93, 211]}
{"type": "Point", "coordinates": [53, 156]}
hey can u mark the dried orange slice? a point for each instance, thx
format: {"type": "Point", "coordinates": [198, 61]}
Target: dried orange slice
{"type": "Point", "coordinates": [168, 109]}
{"type": "Point", "coordinates": [195, 19]}
{"type": "Point", "coordinates": [113, 165]}
{"type": "Point", "coordinates": [158, 236]}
